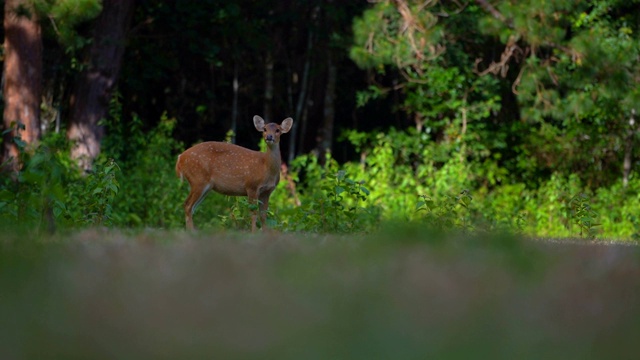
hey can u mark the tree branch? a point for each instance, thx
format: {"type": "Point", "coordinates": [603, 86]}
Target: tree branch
{"type": "Point", "coordinates": [494, 12]}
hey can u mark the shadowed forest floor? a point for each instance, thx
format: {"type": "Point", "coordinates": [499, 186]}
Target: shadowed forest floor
{"type": "Point", "coordinates": [403, 294]}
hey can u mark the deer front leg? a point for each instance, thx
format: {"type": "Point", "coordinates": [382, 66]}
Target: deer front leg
{"type": "Point", "coordinates": [252, 204]}
{"type": "Point", "coordinates": [264, 205]}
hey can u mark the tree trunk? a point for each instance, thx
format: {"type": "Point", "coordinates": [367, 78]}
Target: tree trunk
{"type": "Point", "coordinates": [329, 114]}
{"type": "Point", "coordinates": [234, 105]}
{"type": "Point", "coordinates": [268, 88]}
{"type": "Point", "coordinates": [302, 99]}
{"type": "Point", "coordinates": [304, 118]}
{"type": "Point", "coordinates": [94, 87]}
{"type": "Point", "coordinates": [22, 78]}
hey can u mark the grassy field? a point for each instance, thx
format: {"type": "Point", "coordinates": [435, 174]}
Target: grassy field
{"type": "Point", "coordinates": [402, 294]}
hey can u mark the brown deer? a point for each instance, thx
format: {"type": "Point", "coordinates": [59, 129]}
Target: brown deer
{"type": "Point", "coordinates": [233, 170]}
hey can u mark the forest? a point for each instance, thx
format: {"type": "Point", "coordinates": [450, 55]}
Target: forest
{"type": "Point", "coordinates": [452, 179]}
{"type": "Point", "coordinates": [469, 115]}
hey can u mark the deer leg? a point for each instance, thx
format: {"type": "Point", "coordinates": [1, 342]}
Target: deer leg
{"type": "Point", "coordinates": [264, 205]}
{"type": "Point", "coordinates": [196, 195]}
{"type": "Point", "coordinates": [253, 199]}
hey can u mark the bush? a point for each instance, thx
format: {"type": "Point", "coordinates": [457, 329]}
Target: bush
{"type": "Point", "coordinates": [402, 178]}
{"type": "Point", "coordinates": [49, 191]}
{"type": "Point", "coordinates": [150, 195]}
{"type": "Point", "coordinates": [329, 199]}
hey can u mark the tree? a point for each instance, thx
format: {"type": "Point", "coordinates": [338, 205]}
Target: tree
{"type": "Point", "coordinates": [578, 75]}
{"type": "Point", "coordinates": [212, 61]}
{"type": "Point", "coordinates": [22, 78]}
{"type": "Point", "coordinates": [424, 52]}
{"type": "Point", "coordinates": [95, 85]}
{"type": "Point", "coordinates": [533, 87]}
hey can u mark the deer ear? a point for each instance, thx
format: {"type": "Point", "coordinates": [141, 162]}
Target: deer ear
{"type": "Point", "coordinates": [286, 125]}
{"type": "Point", "coordinates": [258, 122]}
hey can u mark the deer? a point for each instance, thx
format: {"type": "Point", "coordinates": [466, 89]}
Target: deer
{"type": "Point", "coordinates": [233, 170]}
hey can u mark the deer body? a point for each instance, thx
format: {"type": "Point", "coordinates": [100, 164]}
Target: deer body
{"type": "Point", "coordinates": [233, 170]}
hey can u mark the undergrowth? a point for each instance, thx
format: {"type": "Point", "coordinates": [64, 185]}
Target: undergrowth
{"type": "Point", "coordinates": [134, 185]}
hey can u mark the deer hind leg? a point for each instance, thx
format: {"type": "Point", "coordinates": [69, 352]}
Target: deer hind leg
{"type": "Point", "coordinates": [196, 195]}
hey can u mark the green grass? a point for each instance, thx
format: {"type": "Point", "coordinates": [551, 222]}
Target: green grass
{"type": "Point", "coordinates": [403, 294]}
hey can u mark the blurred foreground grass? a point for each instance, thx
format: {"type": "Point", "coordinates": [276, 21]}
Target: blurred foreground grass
{"type": "Point", "coordinates": [404, 294]}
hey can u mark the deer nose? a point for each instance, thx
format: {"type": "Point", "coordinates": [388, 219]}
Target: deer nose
{"type": "Point", "coordinates": [269, 138]}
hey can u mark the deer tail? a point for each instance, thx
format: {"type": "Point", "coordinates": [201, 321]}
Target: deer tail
{"type": "Point", "coordinates": [179, 172]}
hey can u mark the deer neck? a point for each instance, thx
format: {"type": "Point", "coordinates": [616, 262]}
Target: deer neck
{"type": "Point", "coordinates": [273, 157]}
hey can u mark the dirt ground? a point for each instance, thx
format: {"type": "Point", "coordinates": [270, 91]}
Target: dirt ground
{"type": "Point", "coordinates": [100, 294]}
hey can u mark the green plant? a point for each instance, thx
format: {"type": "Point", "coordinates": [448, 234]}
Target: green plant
{"type": "Point", "coordinates": [101, 188]}
{"type": "Point", "coordinates": [636, 224]}
{"type": "Point", "coordinates": [582, 214]}
{"type": "Point", "coordinates": [335, 208]}
{"type": "Point", "coordinates": [34, 196]}
{"type": "Point", "coordinates": [342, 214]}
{"type": "Point", "coordinates": [330, 199]}
{"type": "Point", "coordinates": [448, 213]}
{"type": "Point", "coordinates": [150, 194]}
{"type": "Point", "coordinates": [238, 215]}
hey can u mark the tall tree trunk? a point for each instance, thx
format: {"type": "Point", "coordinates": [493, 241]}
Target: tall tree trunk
{"type": "Point", "coordinates": [302, 99]}
{"type": "Point", "coordinates": [94, 87]}
{"type": "Point", "coordinates": [304, 118]}
{"type": "Point", "coordinates": [329, 114]}
{"type": "Point", "coordinates": [234, 108]}
{"type": "Point", "coordinates": [268, 87]}
{"type": "Point", "coordinates": [290, 83]}
{"type": "Point", "coordinates": [22, 78]}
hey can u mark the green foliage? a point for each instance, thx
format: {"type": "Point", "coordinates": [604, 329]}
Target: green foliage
{"type": "Point", "coordinates": [134, 185]}
{"type": "Point", "coordinates": [239, 214]}
{"type": "Point", "coordinates": [450, 104]}
{"type": "Point", "coordinates": [64, 16]}
{"type": "Point", "coordinates": [532, 132]}
{"type": "Point", "coordinates": [578, 83]}
{"type": "Point", "coordinates": [566, 71]}
{"type": "Point", "coordinates": [150, 196]}
{"type": "Point", "coordinates": [149, 193]}
{"type": "Point", "coordinates": [49, 192]}
{"type": "Point", "coordinates": [452, 212]}
{"type": "Point", "coordinates": [390, 37]}
{"type": "Point", "coordinates": [141, 190]}
{"type": "Point", "coordinates": [331, 201]}
{"type": "Point", "coordinates": [528, 106]}
{"type": "Point", "coordinates": [34, 196]}
{"type": "Point", "coordinates": [89, 199]}
{"type": "Point", "coordinates": [405, 164]}
{"type": "Point", "coordinates": [636, 224]}
{"type": "Point", "coordinates": [582, 214]}
{"type": "Point", "coordinates": [103, 189]}
{"type": "Point", "coordinates": [339, 207]}
{"type": "Point", "coordinates": [399, 166]}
